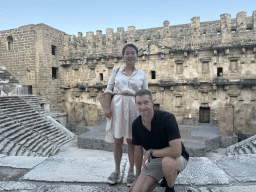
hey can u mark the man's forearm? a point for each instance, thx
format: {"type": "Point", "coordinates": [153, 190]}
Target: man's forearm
{"type": "Point", "coordinates": [138, 156]}
{"type": "Point", "coordinates": [168, 151]}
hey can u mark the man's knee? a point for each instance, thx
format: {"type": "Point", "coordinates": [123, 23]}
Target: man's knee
{"type": "Point", "coordinates": [169, 163]}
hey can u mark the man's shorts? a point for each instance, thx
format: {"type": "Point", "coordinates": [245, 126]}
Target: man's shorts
{"type": "Point", "coordinates": [155, 168]}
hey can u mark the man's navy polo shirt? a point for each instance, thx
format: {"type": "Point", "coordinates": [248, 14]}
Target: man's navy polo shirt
{"type": "Point", "coordinates": [164, 128]}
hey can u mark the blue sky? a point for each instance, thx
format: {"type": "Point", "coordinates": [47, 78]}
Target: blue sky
{"type": "Point", "coordinates": [73, 16]}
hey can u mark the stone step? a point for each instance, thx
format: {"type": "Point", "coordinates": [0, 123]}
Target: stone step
{"type": "Point", "coordinates": [17, 134]}
{"type": "Point", "coordinates": [39, 146]}
{"type": "Point", "coordinates": [28, 138]}
{"type": "Point", "coordinates": [56, 136]}
{"type": "Point", "coordinates": [15, 150]}
{"type": "Point", "coordinates": [26, 153]}
{"type": "Point", "coordinates": [43, 126]}
{"type": "Point", "coordinates": [5, 107]}
{"type": "Point", "coordinates": [252, 148]}
{"type": "Point", "coordinates": [24, 108]}
{"type": "Point", "coordinates": [11, 131]}
{"type": "Point", "coordinates": [55, 150]}
{"type": "Point", "coordinates": [35, 124]}
{"type": "Point", "coordinates": [64, 141]}
{"type": "Point", "coordinates": [32, 121]}
{"type": "Point", "coordinates": [21, 151]}
{"type": "Point", "coordinates": [31, 141]}
{"type": "Point", "coordinates": [19, 113]}
{"type": "Point", "coordinates": [3, 143]}
{"type": "Point", "coordinates": [49, 132]}
{"type": "Point", "coordinates": [44, 147]}
{"type": "Point", "coordinates": [8, 148]}
{"type": "Point", "coordinates": [38, 142]}
{"type": "Point", "coordinates": [1, 138]}
{"type": "Point", "coordinates": [28, 117]}
{"type": "Point", "coordinates": [24, 117]}
{"type": "Point", "coordinates": [47, 151]}
{"type": "Point", "coordinates": [7, 123]}
{"type": "Point", "coordinates": [240, 151]}
{"type": "Point", "coordinates": [26, 134]}
{"type": "Point", "coordinates": [4, 119]}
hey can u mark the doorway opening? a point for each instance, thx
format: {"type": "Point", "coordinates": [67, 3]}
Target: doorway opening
{"type": "Point", "coordinates": [204, 114]}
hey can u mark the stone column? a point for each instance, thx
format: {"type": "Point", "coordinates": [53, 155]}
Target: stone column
{"type": "Point", "coordinates": [90, 39]}
{"type": "Point", "coordinates": [98, 41]}
{"type": "Point", "coordinates": [109, 40]}
{"type": "Point", "coordinates": [225, 25]}
{"type": "Point", "coordinates": [131, 32]}
{"type": "Point", "coordinates": [241, 24]}
{"type": "Point", "coordinates": [254, 20]}
{"type": "Point", "coordinates": [227, 120]}
{"type": "Point", "coordinates": [195, 31]}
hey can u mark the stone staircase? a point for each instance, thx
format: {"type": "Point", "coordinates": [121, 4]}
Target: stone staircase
{"type": "Point", "coordinates": [247, 146]}
{"type": "Point", "coordinates": [25, 132]}
{"type": "Point", "coordinates": [35, 101]}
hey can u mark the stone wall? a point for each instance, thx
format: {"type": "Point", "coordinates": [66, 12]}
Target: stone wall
{"type": "Point", "coordinates": [193, 69]}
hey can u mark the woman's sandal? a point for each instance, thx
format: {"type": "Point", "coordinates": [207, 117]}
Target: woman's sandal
{"type": "Point", "coordinates": [130, 179]}
{"type": "Point", "coordinates": [113, 178]}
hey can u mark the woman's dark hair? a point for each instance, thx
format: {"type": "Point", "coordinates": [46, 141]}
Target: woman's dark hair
{"type": "Point", "coordinates": [144, 92]}
{"type": "Point", "coordinates": [130, 45]}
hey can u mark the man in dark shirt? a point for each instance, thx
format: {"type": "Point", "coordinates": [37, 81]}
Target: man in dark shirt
{"type": "Point", "coordinates": [158, 133]}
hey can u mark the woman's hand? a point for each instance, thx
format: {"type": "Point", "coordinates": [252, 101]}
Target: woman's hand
{"type": "Point", "coordinates": [108, 98]}
{"type": "Point", "coordinates": [108, 112]}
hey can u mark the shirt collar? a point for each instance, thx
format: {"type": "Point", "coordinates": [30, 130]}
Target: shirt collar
{"type": "Point", "coordinates": [134, 72]}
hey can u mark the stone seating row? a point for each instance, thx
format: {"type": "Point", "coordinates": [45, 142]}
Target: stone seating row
{"type": "Point", "coordinates": [247, 146]}
{"type": "Point", "coordinates": [35, 101]}
{"type": "Point", "coordinates": [16, 139]}
{"type": "Point", "coordinates": [24, 132]}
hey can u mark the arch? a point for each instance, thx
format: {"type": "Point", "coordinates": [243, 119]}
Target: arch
{"type": "Point", "coordinates": [9, 43]}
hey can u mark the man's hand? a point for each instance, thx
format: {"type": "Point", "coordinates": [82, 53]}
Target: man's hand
{"type": "Point", "coordinates": [146, 157]}
{"type": "Point", "coordinates": [130, 188]}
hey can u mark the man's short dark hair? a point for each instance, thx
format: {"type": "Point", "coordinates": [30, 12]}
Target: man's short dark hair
{"type": "Point", "coordinates": [130, 45]}
{"type": "Point", "coordinates": [144, 92]}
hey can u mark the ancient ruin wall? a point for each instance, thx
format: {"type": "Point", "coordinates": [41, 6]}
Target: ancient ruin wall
{"type": "Point", "coordinates": [17, 52]}
{"type": "Point", "coordinates": [200, 64]}
{"type": "Point", "coordinates": [185, 60]}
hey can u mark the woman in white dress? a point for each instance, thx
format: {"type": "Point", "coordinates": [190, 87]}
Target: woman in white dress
{"type": "Point", "coordinates": [121, 111]}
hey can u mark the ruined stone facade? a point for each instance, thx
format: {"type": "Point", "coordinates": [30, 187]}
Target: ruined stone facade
{"type": "Point", "coordinates": [201, 71]}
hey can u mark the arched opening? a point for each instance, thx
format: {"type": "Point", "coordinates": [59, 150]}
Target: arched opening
{"type": "Point", "coordinates": [9, 43]}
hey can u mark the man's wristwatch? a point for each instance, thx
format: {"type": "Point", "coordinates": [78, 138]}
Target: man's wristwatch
{"type": "Point", "coordinates": [151, 152]}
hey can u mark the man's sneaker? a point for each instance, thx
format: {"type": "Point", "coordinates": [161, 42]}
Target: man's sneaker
{"type": "Point", "coordinates": [163, 182]}
{"type": "Point", "coordinates": [113, 178]}
{"type": "Point", "coordinates": [130, 179]}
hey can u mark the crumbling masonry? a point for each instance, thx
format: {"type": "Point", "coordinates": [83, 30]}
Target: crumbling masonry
{"type": "Point", "coordinates": [201, 71]}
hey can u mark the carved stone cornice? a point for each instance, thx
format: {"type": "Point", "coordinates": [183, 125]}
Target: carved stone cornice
{"type": "Point", "coordinates": [205, 59]}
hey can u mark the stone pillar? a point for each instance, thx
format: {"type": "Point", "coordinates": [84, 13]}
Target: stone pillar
{"type": "Point", "coordinates": [195, 31]}
{"type": "Point", "coordinates": [166, 33]}
{"type": "Point", "coordinates": [80, 35]}
{"type": "Point", "coordinates": [99, 41]}
{"type": "Point", "coordinates": [120, 39]}
{"type": "Point", "coordinates": [90, 38]}
{"type": "Point", "coordinates": [254, 20]}
{"type": "Point", "coordinates": [226, 120]}
{"type": "Point", "coordinates": [241, 24]}
{"type": "Point", "coordinates": [225, 25]}
{"type": "Point", "coordinates": [131, 32]}
{"type": "Point", "coordinates": [109, 40]}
